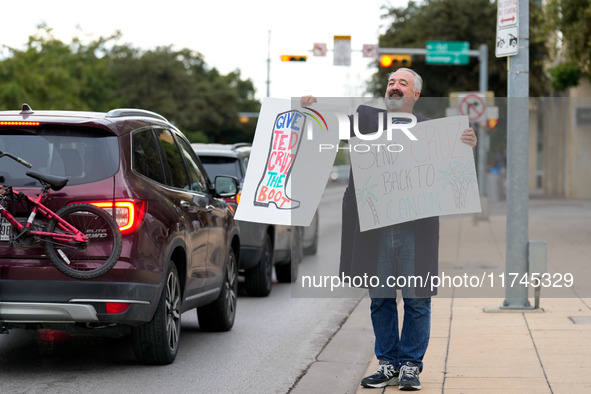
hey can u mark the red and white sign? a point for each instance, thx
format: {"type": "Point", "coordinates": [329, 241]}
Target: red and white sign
{"type": "Point", "coordinates": [507, 28]}
{"type": "Point", "coordinates": [319, 49]}
{"type": "Point", "coordinates": [473, 105]}
{"type": "Point", "coordinates": [507, 13]}
{"type": "Point", "coordinates": [370, 50]}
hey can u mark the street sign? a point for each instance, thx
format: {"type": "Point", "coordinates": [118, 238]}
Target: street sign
{"type": "Point", "coordinates": [474, 106]}
{"type": "Point", "coordinates": [370, 50]}
{"type": "Point", "coordinates": [507, 43]}
{"type": "Point", "coordinates": [342, 50]}
{"type": "Point", "coordinates": [319, 49]}
{"type": "Point", "coordinates": [507, 13]}
{"type": "Point", "coordinates": [447, 52]}
{"type": "Point", "coordinates": [491, 112]}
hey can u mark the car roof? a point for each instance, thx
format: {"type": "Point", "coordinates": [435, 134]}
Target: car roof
{"type": "Point", "coordinates": [118, 121]}
{"type": "Point", "coordinates": [241, 149]}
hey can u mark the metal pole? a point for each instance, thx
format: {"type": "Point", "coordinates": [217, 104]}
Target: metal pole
{"type": "Point", "coordinates": [517, 167]}
{"type": "Point", "coordinates": [269, 65]}
{"type": "Point", "coordinates": [482, 134]}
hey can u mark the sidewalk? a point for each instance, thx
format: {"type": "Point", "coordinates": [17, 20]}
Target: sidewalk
{"type": "Point", "coordinates": [474, 347]}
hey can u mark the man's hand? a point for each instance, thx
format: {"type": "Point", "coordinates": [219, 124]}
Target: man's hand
{"type": "Point", "coordinates": [308, 100]}
{"type": "Point", "coordinates": [468, 137]}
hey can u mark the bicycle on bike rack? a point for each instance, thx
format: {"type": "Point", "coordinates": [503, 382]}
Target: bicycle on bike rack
{"type": "Point", "coordinates": [81, 240]}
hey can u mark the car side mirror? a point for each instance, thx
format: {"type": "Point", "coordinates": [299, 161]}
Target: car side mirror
{"type": "Point", "coordinates": [226, 186]}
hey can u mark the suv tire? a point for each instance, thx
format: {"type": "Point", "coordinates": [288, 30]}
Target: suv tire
{"type": "Point", "coordinates": [220, 314]}
{"type": "Point", "coordinates": [288, 273]}
{"type": "Point", "coordinates": [259, 279]}
{"type": "Point", "coordinates": [312, 249]}
{"type": "Point", "coordinates": [157, 342]}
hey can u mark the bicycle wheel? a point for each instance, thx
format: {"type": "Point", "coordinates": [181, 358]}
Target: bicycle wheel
{"type": "Point", "coordinates": [89, 259]}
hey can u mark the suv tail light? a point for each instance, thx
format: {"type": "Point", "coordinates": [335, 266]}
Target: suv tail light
{"type": "Point", "coordinates": [128, 213]}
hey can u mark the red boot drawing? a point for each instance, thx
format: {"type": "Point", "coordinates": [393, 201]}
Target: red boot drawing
{"type": "Point", "coordinates": [285, 143]}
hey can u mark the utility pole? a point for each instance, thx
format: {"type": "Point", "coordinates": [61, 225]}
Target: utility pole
{"type": "Point", "coordinates": [269, 65]}
{"type": "Point", "coordinates": [518, 167]}
{"type": "Point", "coordinates": [482, 134]}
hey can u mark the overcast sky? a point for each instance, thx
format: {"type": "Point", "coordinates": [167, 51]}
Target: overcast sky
{"type": "Point", "coordinates": [231, 34]}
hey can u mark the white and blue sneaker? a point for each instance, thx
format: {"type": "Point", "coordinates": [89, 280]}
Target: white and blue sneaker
{"type": "Point", "coordinates": [385, 375]}
{"type": "Point", "coordinates": [409, 377]}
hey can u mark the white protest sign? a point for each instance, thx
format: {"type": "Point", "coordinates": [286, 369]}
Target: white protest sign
{"type": "Point", "coordinates": [287, 172]}
{"type": "Point", "coordinates": [400, 181]}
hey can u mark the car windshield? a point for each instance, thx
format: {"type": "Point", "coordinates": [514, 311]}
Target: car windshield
{"type": "Point", "coordinates": [216, 165]}
{"type": "Point", "coordinates": [83, 155]}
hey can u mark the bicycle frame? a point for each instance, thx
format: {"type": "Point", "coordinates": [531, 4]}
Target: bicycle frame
{"type": "Point", "coordinates": [38, 207]}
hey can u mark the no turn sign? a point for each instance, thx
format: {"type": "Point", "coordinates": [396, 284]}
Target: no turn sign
{"type": "Point", "coordinates": [474, 106]}
{"type": "Point", "coordinates": [319, 49]}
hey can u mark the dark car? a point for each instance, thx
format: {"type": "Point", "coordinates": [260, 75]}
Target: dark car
{"type": "Point", "coordinates": [262, 245]}
{"type": "Point", "coordinates": [180, 241]}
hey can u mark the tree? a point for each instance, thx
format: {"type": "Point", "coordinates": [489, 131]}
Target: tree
{"type": "Point", "coordinates": [178, 85]}
{"type": "Point", "coordinates": [99, 76]}
{"type": "Point", "coordinates": [473, 21]}
{"type": "Point", "coordinates": [571, 22]}
{"type": "Point", "coordinates": [49, 74]}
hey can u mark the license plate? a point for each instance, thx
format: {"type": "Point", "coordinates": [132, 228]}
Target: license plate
{"type": "Point", "coordinates": [5, 229]}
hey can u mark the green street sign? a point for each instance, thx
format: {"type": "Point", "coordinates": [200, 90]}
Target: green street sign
{"type": "Point", "coordinates": [447, 52]}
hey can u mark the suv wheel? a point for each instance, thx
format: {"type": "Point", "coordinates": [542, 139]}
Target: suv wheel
{"type": "Point", "coordinates": [220, 314]}
{"type": "Point", "coordinates": [157, 342]}
{"type": "Point", "coordinates": [288, 273]}
{"type": "Point", "coordinates": [260, 278]}
{"type": "Point", "coordinates": [312, 249]}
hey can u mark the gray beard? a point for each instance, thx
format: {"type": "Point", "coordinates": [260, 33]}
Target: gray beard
{"type": "Point", "coordinates": [394, 103]}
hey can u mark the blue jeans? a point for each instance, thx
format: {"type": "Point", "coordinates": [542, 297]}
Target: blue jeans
{"type": "Point", "coordinates": [396, 252]}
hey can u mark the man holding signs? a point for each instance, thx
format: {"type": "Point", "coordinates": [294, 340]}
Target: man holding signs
{"type": "Point", "coordinates": [405, 249]}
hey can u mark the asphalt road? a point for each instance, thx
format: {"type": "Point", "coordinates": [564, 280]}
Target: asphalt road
{"type": "Point", "coordinates": [273, 341]}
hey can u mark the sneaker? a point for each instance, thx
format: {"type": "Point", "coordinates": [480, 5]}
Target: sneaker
{"type": "Point", "coordinates": [385, 375]}
{"type": "Point", "coordinates": [409, 377]}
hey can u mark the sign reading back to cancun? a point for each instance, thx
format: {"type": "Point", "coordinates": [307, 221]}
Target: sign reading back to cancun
{"type": "Point", "coordinates": [432, 176]}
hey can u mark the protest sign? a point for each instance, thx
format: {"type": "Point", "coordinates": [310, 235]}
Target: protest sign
{"type": "Point", "coordinates": [287, 172]}
{"type": "Point", "coordinates": [403, 180]}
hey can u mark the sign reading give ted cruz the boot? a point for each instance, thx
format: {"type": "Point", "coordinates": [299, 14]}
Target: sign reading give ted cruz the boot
{"type": "Point", "coordinates": [287, 173]}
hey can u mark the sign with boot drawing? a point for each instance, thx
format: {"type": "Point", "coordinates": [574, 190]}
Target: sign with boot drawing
{"type": "Point", "coordinates": [287, 173]}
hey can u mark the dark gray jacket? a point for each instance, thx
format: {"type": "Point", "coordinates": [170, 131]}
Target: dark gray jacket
{"type": "Point", "coordinates": [359, 249]}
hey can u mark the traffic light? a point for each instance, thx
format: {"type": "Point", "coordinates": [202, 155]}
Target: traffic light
{"type": "Point", "coordinates": [492, 123]}
{"type": "Point", "coordinates": [395, 61]}
{"type": "Point", "coordinates": [293, 58]}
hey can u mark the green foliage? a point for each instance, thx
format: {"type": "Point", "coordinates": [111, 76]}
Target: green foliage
{"type": "Point", "coordinates": [565, 75]}
{"type": "Point", "coordinates": [473, 21]}
{"type": "Point", "coordinates": [49, 74]}
{"type": "Point", "coordinates": [99, 76]}
{"type": "Point", "coordinates": [572, 20]}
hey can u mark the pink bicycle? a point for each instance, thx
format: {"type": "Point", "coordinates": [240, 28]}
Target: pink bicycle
{"type": "Point", "coordinates": [81, 240]}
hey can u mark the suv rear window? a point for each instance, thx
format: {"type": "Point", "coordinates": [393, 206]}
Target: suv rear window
{"type": "Point", "coordinates": [81, 154]}
{"type": "Point", "coordinates": [219, 165]}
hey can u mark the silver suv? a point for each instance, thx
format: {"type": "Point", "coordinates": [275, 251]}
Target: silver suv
{"type": "Point", "coordinates": [262, 246]}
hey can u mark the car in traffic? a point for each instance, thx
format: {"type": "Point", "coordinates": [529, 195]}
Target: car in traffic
{"type": "Point", "coordinates": [263, 246]}
{"type": "Point", "coordinates": [180, 243]}
{"type": "Point", "coordinates": [340, 173]}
